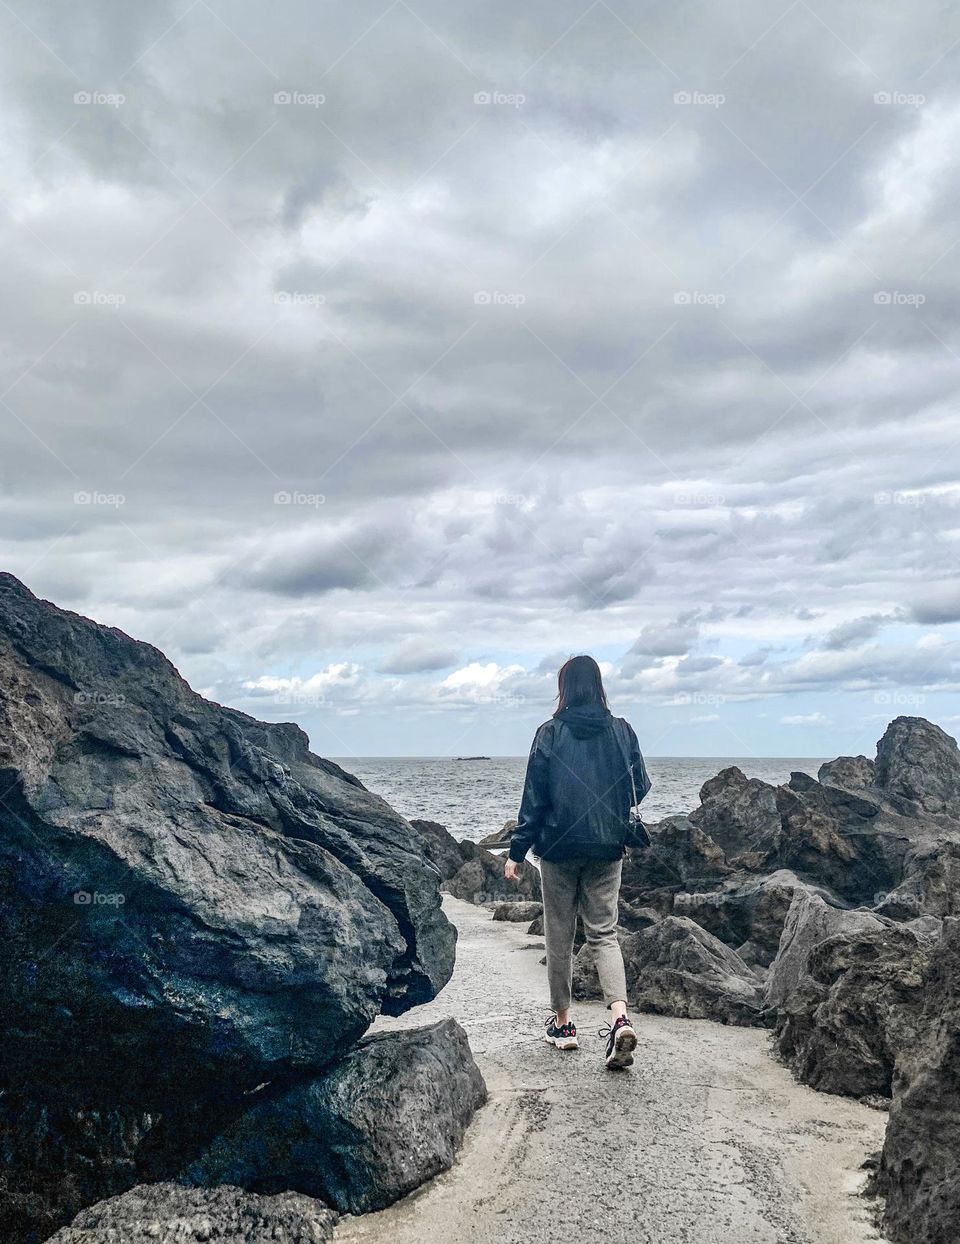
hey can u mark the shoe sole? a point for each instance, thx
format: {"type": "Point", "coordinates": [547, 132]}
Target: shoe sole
{"type": "Point", "coordinates": [624, 1044]}
{"type": "Point", "coordinates": [562, 1043]}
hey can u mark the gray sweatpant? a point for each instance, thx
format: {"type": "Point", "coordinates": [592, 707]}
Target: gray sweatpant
{"type": "Point", "coordinates": [590, 888]}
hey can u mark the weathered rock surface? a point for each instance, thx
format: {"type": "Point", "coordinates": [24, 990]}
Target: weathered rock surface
{"type": "Point", "coordinates": [674, 967]}
{"type": "Point", "coordinates": [167, 1213]}
{"type": "Point", "coordinates": [919, 1174]}
{"type": "Point", "coordinates": [918, 767]}
{"type": "Point", "coordinates": [519, 913]}
{"type": "Point", "coordinates": [387, 1117]}
{"type": "Point", "coordinates": [745, 908]}
{"type": "Point", "coordinates": [850, 772]}
{"type": "Point", "coordinates": [855, 1009]}
{"type": "Point", "coordinates": [191, 903]}
{"type": "Point", "coordinates": [740, 815]}
{"type": "Point", "coordinates": [481, 880]}
{"type": "Point", "coordinates": [500, 837]}
{"type": "Point", "coordinates": [809, 921]}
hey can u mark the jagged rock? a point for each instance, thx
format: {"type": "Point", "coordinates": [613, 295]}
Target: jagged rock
{"type": "Point", "coordinates": [441, 848]}
{"type": "Point", "coordinates": [481, 880]}
{"type": "Point", "coordinates": [518, 913]}
{"type": "Point", "coordinates": [680, 856]}
{"type": "Point", "coordinates": [854, 1010]}
{"type": "Point", "coordinates": [850, 772]}
{"type": "Point", "coordinates": [918, 767]}
{"type": "Point", "coordinates": [386, 1118]}
{"type": "Point", "coordinates": [740, 815]}
{"type": "Point", "coordinates": [191, 903]}
{"type": "Point", "coordinates": [676, 968]}
{"type": "Point", "coordinates": [536, 926]}
{"type": "Point", "coordinates": [635, 916]}
{"type": "Point", "coordinates": [500, 837]}
{"type": "Point", "coordinates": [809, 921]}
{"type": "Point", "coordinates": [744, 909]}
{"type": "Point", "coordinates": [167, 1213]}
{"type": "Point", "coordinates": [931, 885]}
{"type": "Point", "coordinates": [919, 1175]}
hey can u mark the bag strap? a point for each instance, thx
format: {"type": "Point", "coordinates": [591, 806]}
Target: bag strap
{"type": "Point", "coordinates": [626, 760]}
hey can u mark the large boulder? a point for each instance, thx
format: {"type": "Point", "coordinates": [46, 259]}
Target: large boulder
{"type": "Point", "coordinates": [191, 903]}
{"type": "Point", "coordinates": [480, 880]}
{"type": "Point", "coordinates": [518, 913]}
{"type": "Point", "coordinates": [848, 772]}
{"type": "Point", "coordinates": [681, 856]}
{"type": "Point", "coordinates": [674, 967]}
{"type": "Point", "coordinates": [809, 921]}
{"type": "Point", "coordinates": [744, 909]}
{"type": "Point", "coordinates": [386, 1118]}
{"type": "Point", "coordinates": [740, 815]}
{"type": "Point", "coordinates": [855, 1009]}
{"type": "Point", "coordinates": [167, 1213]}
{"type": "Point", "coordinates": [918, 767]}
{"type": "Point", "coordinates": [919, 1174]}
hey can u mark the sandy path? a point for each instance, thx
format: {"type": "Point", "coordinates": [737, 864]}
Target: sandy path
{"type": "Point", "coordinates": [707, 1140]}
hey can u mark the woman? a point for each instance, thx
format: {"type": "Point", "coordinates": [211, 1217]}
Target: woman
{"type": "Point", "coordinates": [575, 814]}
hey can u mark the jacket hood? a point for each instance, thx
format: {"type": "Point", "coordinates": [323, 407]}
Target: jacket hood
{"type": "Point", "coordinates": [586, 721]}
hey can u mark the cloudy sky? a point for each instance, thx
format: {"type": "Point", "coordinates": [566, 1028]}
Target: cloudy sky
{"type": "Point", "coordinates": [371, 358]}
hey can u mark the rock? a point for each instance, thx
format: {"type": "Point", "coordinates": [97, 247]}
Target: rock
{"type": "Point", "coordinates": [481, 880]}
{"type": "Point", "coordinates": [518, 913]}
{"type": "Point", "coordinates": [500, 837]}
{"type": "Point", "coordinates": [635, 916]}
{"type": "Point", "coordinates": [386, 1118]}
{"type": "Point", "coordinates": [855, 1009]}
{"type": "Point", "coordinates": [441, 848]}
{"type": "Point", "coordinates": [191, 904]}
{"type": "Point", "coordinates": [850, 772]}
{"type": "Point", "coordinates": [918, 767]}
{"type": "Point", "coordinates": [740, 815]}
{"type": "Point", "coordinates": [167, 1213]}
{"type": "Point", "coordinates": [680, 856]}
{"type": "Point", "coordinates": [676, 968]}
{"type": "Point", "coordinates": [744, 909]}
{"type": "Point", "coordinates": [809, 921]}
{"type": "Point", "coordinates": [536, 927]}
{"type": "Point", "coordinates": [931, 883]}
{"type": "Point", "coordinates": [919, 1175]}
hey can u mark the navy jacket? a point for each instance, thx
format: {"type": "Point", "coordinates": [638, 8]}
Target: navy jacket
{"type": "Point", "coordinates": [576, 797]}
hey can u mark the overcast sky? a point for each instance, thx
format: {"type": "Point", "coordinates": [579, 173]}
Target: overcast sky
{"type": "Point", "coordinates": [371, 358]}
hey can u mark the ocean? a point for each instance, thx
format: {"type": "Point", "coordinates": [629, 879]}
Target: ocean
{"type": "Point", "coordinates": [474, 797]}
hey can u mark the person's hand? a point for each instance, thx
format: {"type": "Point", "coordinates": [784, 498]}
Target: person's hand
{"type": "Point", "coordinates": [511, 870]}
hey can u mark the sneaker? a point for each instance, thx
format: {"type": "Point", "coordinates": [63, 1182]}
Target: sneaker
{"type": "Point", "coordinates": [621, 1042]}
{"type": "Point", "coordinates": [563, 1036]}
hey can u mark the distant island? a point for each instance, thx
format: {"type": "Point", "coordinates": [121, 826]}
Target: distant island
{"type": "Point", "coordinates": [470, 758]}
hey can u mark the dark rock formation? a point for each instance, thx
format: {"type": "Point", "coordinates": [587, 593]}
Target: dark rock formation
{"type": "Point", "coordinates": [518, 913]}
{"type": "Point", "coordinates": [441, 848]}
{"type": "Point", "coordinates": [919, 1174]}
{"type": "Point", "coordinates": [809, 921]}
{"type": "Point", "coordinates": [680, 856]}
{"type": "Point", "coordinates": [387, 1117]}
{"type": "Point", "coordinates": [169, 1214]}
{"type": "Point", "coordinates": [481, 880]}
{"type": "Point", "coordinates": [855, 1009]}
{"type": "Point", "coordinates": [743, 909]}
{"type": "Point", "coordinates": [191, 904]}
{"type": "Point", "coordinates": [500, 837]}
{"type": "Point", "coordinates": [849, 772]}
{"type": "Point", "coordinates": [674, 967]}
{"type": "Point", "coordinates": [918, 767]}
{"type": "Point", "coordinates": [740, 815]}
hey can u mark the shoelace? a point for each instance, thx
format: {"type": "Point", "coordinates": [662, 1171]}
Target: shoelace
{"type": "Point", "coordinates": [565, 1030]}
{"type": "Point", "coordinates": [612, 1028]}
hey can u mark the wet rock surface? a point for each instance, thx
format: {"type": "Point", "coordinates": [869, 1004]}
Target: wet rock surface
{"type": "Point", "coordinates": [191, 904]}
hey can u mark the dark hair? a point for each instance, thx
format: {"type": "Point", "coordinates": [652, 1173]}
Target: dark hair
{"type": "Point", "coordinates": [579, 683]}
